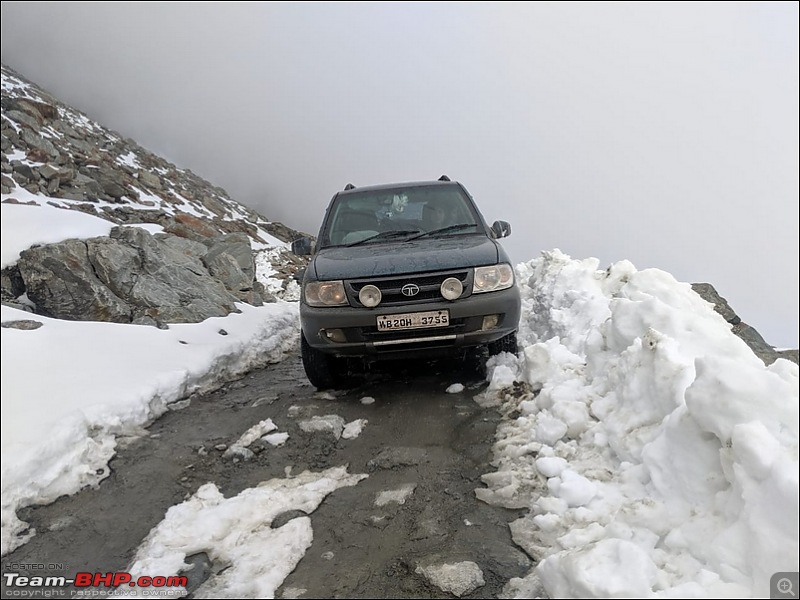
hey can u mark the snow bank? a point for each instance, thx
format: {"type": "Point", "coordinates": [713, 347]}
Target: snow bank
{"type": "Point", "coordinates": [656, 452]}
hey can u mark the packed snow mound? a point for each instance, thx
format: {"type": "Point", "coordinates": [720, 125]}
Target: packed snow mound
{"type": "Point", "coordinates": [656, 452]}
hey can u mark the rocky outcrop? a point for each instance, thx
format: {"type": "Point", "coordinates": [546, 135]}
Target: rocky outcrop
{"type": "Point", "coordinates": [199, 266]}
{"type": "Point", "coordinates": [49, 148]}
{"type": "Point", "coordinates": [747, 333]}
{"type": "Point", "coordinates": [132, 276]}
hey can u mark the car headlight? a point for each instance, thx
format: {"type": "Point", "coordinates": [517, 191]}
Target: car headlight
{"type": "Point", "coordinates": [493, 278]}
{"type": "Point", "coordinates": [325, 293]}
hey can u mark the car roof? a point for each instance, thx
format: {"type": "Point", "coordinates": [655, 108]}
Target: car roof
{"type": "Point", "coordinates": [394, 186]}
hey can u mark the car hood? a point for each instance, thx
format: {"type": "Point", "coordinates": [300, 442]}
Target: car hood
{"type": "Point", "coordinates": [416, 256]}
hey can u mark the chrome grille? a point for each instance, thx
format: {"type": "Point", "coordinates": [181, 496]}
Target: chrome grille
{"type": "Point", "coordinates": [390, 287]}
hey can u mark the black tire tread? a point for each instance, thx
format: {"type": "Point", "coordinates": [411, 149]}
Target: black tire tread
{"type": "Point", "coordinates": [504, 344]}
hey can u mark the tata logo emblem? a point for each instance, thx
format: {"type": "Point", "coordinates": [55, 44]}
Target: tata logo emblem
{"type": "Point", "coordinates": [409, 289]}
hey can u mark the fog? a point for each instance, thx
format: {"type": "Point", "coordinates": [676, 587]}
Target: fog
{"type": "Point", "coordinates": [666, 134]}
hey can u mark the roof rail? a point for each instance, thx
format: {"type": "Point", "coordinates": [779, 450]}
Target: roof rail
{"type": "Point", "coordinates": [349, 186]}
{"type": "Point", "coordinates": [444, 178]}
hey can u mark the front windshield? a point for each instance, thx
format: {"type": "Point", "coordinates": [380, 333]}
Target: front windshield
{"type": "Point", "coordinates": [372, 216]}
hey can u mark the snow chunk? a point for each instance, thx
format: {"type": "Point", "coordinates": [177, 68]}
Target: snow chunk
{"type": "Point", "coordinates": [331, 423]}
{"type": "Point", "coordinates": [457, 578]}
{"type": "Point", "coordinates": [276, 439]}
{"type": "Point", "coordinates": [551, 466]}
{"type": "Point", "coordinates": [549, 430]}
{"type": "Point", "coordinates": [353, 429]}
{"type": "Point", "coordinates": [610, 568]}
{"type": "Point", "coordinates": [455, 388]}
{"type": "Point", "coordinates": [235, 531]}
{"type": "Point", "coordinates": [250, 436]}
{"type": "Point", "coordinates": [398, 495]}
{"type": "Point", "coordinates": [503, 376]}
{"type": "Point", "coordinates": [575, 489]}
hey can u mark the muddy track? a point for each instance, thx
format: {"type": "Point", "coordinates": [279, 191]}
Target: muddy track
{"type": "Point", "coordinates": [417, 435]}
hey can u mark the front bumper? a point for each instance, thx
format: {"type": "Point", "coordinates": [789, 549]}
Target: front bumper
{"type": "Point", "coordinates": [358, 334]}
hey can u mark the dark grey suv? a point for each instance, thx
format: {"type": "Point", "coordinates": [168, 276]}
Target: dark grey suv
{"type": "Point", "coordinates": [404, 270]}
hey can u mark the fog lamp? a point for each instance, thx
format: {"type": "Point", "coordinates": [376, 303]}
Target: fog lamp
{"type": "Point", "coordinates": [335, 335]}
{"type": "Point", "coordinates": [369, 296]}
{"type": "Point", "coordinates": [451, 288]}
{"type": "Point", "coordinates": [490, 322]}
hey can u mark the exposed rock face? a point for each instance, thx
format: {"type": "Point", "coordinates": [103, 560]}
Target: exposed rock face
{"type": "Point", "coordinates": [749, 335]}
{"type": "Point", "coordinates": [135, 277]}
{"type": "Point", "coordinates": [55, 152]}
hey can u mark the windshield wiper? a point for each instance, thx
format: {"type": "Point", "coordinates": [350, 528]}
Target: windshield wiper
{"type": "Point", "coordinates": [385, 235]}
{"type": "Point", "coordinates": [456, 227]}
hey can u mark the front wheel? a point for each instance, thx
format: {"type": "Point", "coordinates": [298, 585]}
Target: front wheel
{"type": "Point", "coordinates": [323, 370]}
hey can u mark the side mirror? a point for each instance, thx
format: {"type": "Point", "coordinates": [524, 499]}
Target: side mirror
{"type": "Point", "coordinates": [501, 229]}
{"type": "Point", "coordinates": [303, 247]}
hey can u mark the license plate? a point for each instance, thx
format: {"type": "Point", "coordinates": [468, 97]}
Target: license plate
{"type": "Point", "coordinates": [433, 318]}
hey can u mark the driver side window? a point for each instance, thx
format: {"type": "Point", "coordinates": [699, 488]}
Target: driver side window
{"type": "Point", "coordinates": [351, 226]}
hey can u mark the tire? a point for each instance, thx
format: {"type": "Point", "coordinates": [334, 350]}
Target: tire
{"type": "Point", "coordinates": [504, 344]}
{"type": "Point", "coordinates": [323, 370]}
{"type": "Point", "coordinates": [473, 366]}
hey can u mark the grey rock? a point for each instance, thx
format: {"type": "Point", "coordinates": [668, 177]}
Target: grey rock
{"type": "Point", "coordinates": [225, 268]}
{"type": "Point", "coordinates": [90, 188]}
{"type": "Point", "coordinates": [150, 180]}
{"type": "Point", "coordinates": [48, 171]}
{"type": "Point", "coordinates": [143, 319]}
{"type": "Point", "coordinates": [708, 293]}
{"type": "Point", "coordinates": [238, 246]}
{"type": "Point", "coordinates": [25, 324]}
{"type": "Point", "coordinates": [752, 338]}
{"type": "Point", "coordinates": [186, 246]}
{"type": "Point", "coordinates": [25, 171]}
{"type": "Point", "coordinates": [72, 193]}
{"type": "Point", "coordinates": [129, 276]}
{"type": "Point", "coordinates": [18, 305]}
{"type": "Point", "coordinates": [81, 145]}
{"type": "Point", "coordinates": [286, 516]}
{"type": "Point", "coordinates": [112, 188]}
{"type": "Point", "coordinates": [22, 118]}
{"type": "Point", "coordinates": [34, 140]}
{"type": "Point", "coordinates": [200, 569]}
{"type": "Point", "coordinates": [59, 173]}
{"type": "Point", "coordinates": [11, 284]}
{"type": "Point", "coordinates": [61, 282]}
{"type": "Point", "coordinates": [41, 111]}
{"type": "Point", "coordinates": [748, 334]}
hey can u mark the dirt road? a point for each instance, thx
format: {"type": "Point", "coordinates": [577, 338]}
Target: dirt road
{"type": "Point", "coordinates": [434, 443]}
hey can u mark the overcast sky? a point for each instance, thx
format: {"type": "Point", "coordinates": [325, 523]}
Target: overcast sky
{"type": "Point", "coordinates": [666, 134]}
